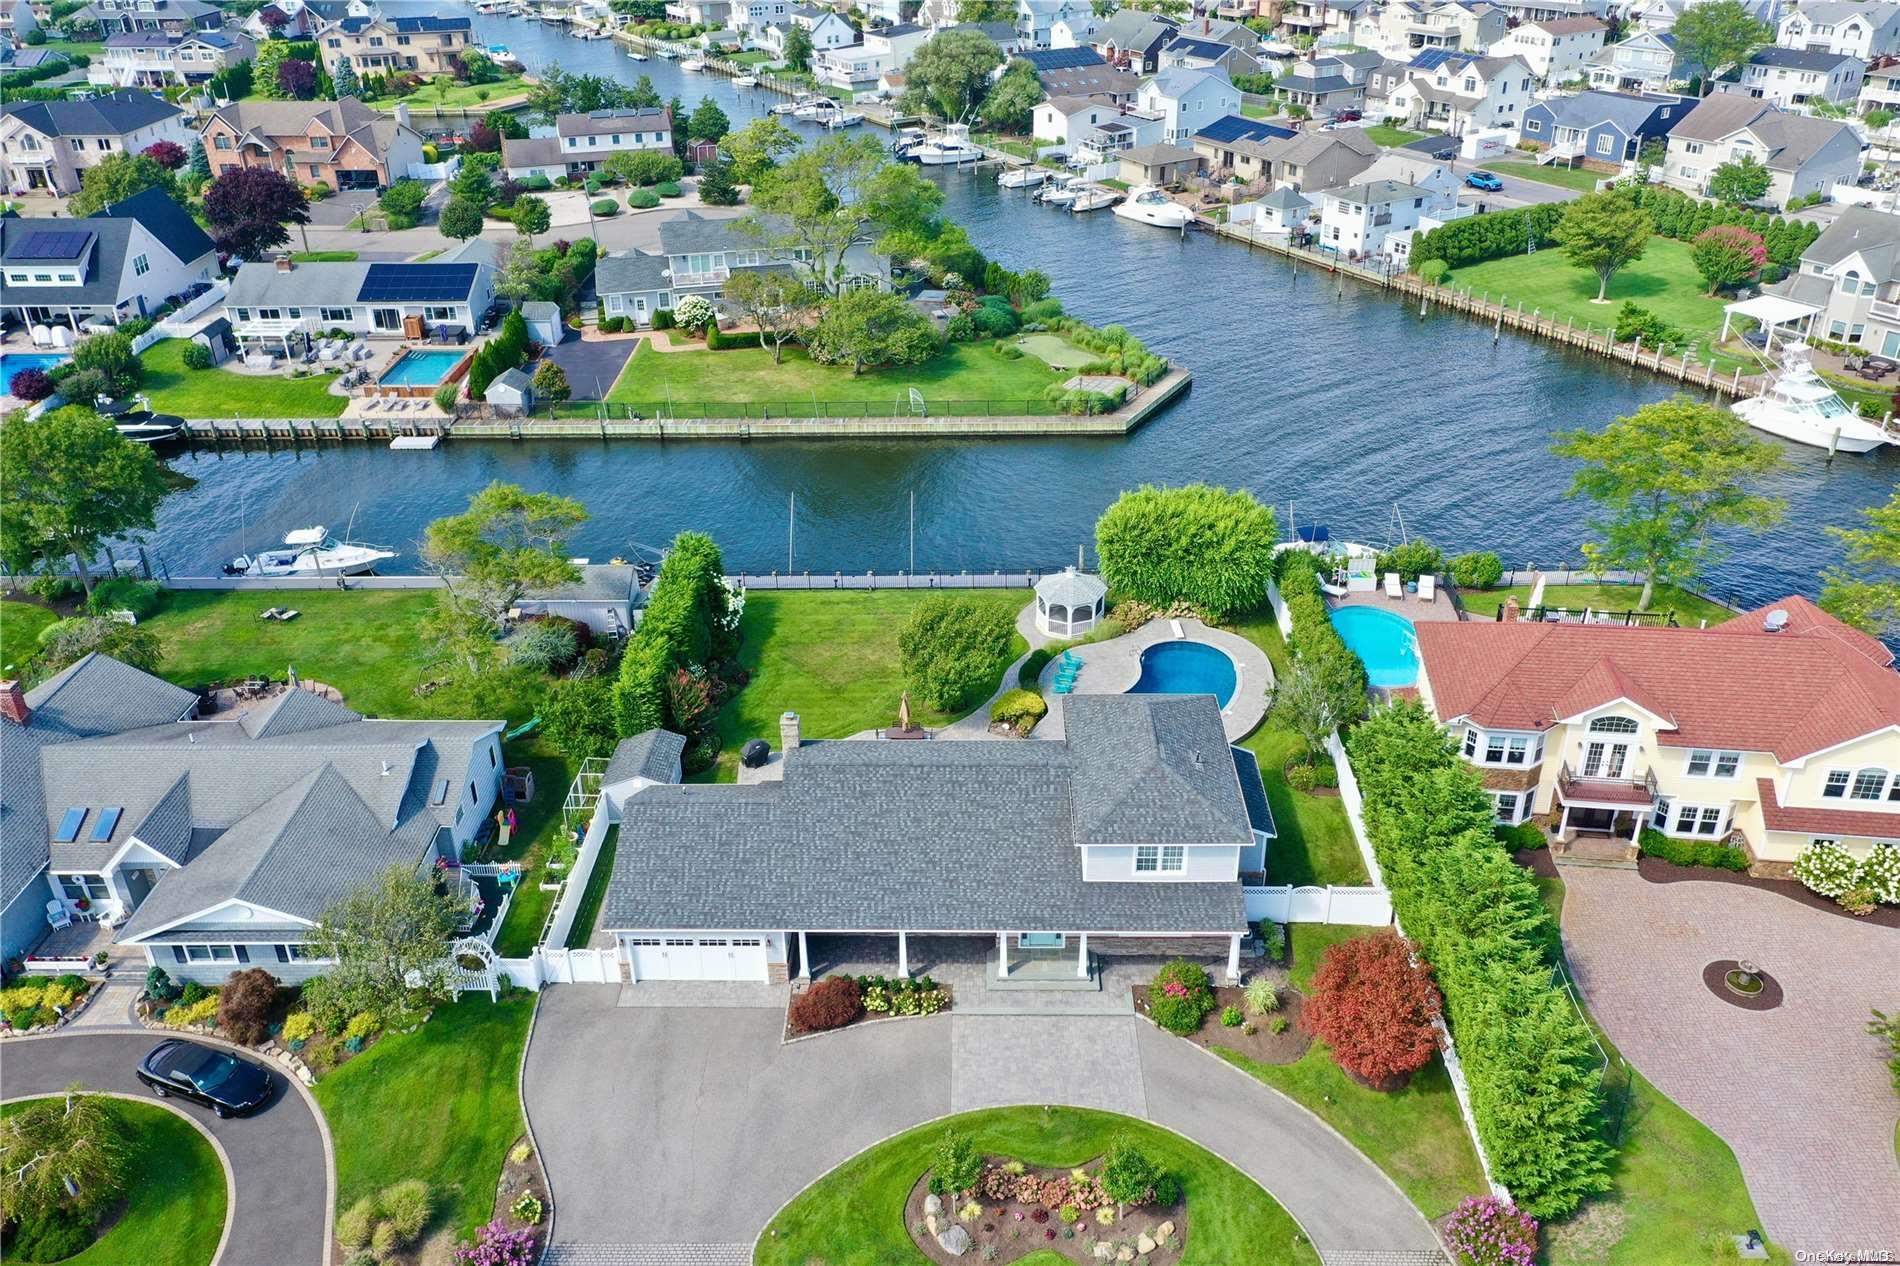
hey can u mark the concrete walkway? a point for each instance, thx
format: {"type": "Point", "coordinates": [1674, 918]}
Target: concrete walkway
{"type": "Point", "coordinates": [1800, 1092]}
{"type": "Point", "coordinates": [977, 724]}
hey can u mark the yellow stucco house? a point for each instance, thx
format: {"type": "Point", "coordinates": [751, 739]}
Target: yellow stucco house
{"type": "Point", "coordinates": [1771, 731]}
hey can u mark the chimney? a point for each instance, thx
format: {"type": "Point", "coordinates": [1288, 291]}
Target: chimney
{"type": "Point", "coordinates": [283, 263]}
{"type": "Point", "coordinates": [787, 731]}
{"type": "Point", "coordinates": [1510, 609]}
{"type": "Point", "coordinates": [402, 114]}
{"type": "Point", "coordinates": [13, 705]}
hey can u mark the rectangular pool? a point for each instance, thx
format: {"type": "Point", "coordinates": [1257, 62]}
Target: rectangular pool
{"type": "Point", "coordinates": [12, 363]}
{"type": "Point", "coordinates": [421, 368]}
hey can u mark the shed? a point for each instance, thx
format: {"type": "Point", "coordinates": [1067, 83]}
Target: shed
{"type": "Point", "coordinates": [1069, 603]}
{"type": "Point", "coordinates": [216, 335]}
{"type": "Point", "coordinates": [700, 153]}
{"type": "Point", "coordinates": [511, 389]}
{"type": "Point", "coordinates": [544, 321]}
{"type": "Point", "coordinates": [1159, 164]}
{"type": "Point", "coordinates": [604, 599]}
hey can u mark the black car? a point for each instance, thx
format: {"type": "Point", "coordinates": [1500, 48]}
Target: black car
{"type": "Point", "coordinates": [216, 1078]}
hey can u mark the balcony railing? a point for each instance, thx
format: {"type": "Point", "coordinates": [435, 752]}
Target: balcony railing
{"type": "Point", "coordinates": [716, 276]}
{"type": "Point", "coordinates": [1626, 790]}
{"type": "Point", "coordinates": [1887, 311]}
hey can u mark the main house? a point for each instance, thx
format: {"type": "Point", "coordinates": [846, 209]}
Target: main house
{"type": "Point", "coordinates": [154, 59]}
{"type": "Point", "coordinates": [1860, 31]}
{"type": "Point", "coordinates": [123, 261]}
{"type": "Point", "coordinates": [429, 45]}
{"type": "Point", "coordinates": [1851, 273]}
{"type": "Point", "coordinates": [1132, 40]}
{"type": "Point", "coordinates": [216, 843]}
{"type": "Point", "coordinates": [1126, 836]}
{"type": "Point", "coordinates": [579, 143]}
{"type": "Point", "coordinates": [343, 144]}
{"type": "Point", "coordinates": [1187, 100]}
{"type": "Point", "coordinates": [46, 146]}
{"type": "Point", "coordinates": [1792, 77]}
{"type": "Point", "coordinates": [1461, 92]}
{"type": "Point", "coordinates": [1803, 155]}
{"type": "Point", "coordinates": [284, 303]}
{"type": "Point", "coordinates": [1645, 62]}
{"type": "Point", "coordinates": [1773, 730]}
{"type": "Point", "coordinates": [1601, 129]}
{"type": "Point", "coordinates": [1557, 50]}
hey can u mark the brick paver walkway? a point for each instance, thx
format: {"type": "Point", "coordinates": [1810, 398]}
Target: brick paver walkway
{"type": "Point", "coordinates": [1800, 1093]}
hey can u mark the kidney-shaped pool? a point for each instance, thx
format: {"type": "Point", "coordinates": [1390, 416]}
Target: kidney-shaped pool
{"type": "Point", "coordinates": [1187, 668]}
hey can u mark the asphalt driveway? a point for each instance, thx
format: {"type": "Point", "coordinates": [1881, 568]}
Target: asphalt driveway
{"type": "Point", "coordinates": [280, 1167]}
{"type": "Point", "coordinates": [592, 364]}
{"type": "Point", "coordinates": [682, 1131]}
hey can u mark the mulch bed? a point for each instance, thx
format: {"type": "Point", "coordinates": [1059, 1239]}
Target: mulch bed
{"type": "Point", "coordinates": [1536, 860]}
{"type": "Point", "coordinates": [1715, 977]}
{"type": "Point", "coordinates": [1657, 871]}
{"type": "Point", "coordinates": [1263, 1045]}
{"type": "Point", "coordinates": [1011, 1230]}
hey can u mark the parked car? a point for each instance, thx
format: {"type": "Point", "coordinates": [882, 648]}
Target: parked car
{"type": "Point", "coordinates": [1347, 116]}
{"type": "Point", "coordinates": [210, 1075]}
{"type": "Point", "coordinates": [1483, 180]}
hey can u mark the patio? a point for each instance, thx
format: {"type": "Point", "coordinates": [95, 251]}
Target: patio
{"type": "Point", "coordinates": [61, 948]}
{"type": "Point", "coordinates": [1411, 606]}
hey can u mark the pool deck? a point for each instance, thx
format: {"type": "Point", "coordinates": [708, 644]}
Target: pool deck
{"type": "Point", "coordinates": [1111, 667]}
{"type": "Point", "coordinates": [1411, 606]}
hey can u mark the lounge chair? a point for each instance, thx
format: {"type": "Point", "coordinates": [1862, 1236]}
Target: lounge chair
{"type": "Point", "coordinates": [1393, 589]}
{"type": "Point", "coordinates": [57, 916]}
{"type": "Point", "coordinates": [1064, 687]}
{"type": "Point", "coordinates": [1427, 588]}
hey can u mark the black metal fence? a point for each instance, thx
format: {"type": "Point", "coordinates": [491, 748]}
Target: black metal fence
{"type": "Point", "coordinates": [771, 410]}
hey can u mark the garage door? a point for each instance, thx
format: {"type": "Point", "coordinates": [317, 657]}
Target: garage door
{"type": "Point", "coordinates": [697, 957]}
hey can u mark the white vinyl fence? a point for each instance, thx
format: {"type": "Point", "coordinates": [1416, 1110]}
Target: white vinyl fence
{"type": "Point", "coordinates": [1283, 903]}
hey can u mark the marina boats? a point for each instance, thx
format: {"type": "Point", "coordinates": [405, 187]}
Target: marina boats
{"type": "Point", "coordinates": [745, 81]}
{"type": "Point", "coordinates": [1061, 190]}
{"type": "Point", "coordinates": [1093, 198]}
{"type": "Point", "coordinates": [309, 552]}
{"type": "Point", "coordinates": [1150, 205]}
{"type": "Point", "coordinates": [841, 118]}
{"type": "Point", "coordinates": [815, 109]}
{"type": "Point", "coordinates": [1799, 405]}
{"type": "Point", "coordinates": [804, 101]}
{"type": "Point", "coordinates": [502, 57]}
{"type": "Point", "coordinates": [693, 63]}
{"type": "Point", "coordinates": [1022, 177]}
{"type": "Point", "coordinates": [951, 149]}
{"type": "Point", "coordinates": [666, 53]}
{"type": "Point", "coordinates": [908, 139]}
{"type": "Point", "coordinates": [635, 54]}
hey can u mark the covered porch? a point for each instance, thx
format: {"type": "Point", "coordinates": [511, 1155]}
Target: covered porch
{"type": "Point", "coordinates": [1009, 961]}
{"type": "Point", "coordinates": [1601, 819]}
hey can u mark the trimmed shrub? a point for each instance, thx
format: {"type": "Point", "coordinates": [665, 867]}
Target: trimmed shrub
{"type": "Point", "coordinates": [193, 992]}
{"type": "Point", "coordinates": [669, 189]}
{"type": "Point", "coordinates": [1131, 1176]}
{"type": "Point", "coordinates": [1490, 236]}
{"type": "Point", "coordinates": [604, 207]}
{"type": "Point", "coordinates": [123, 593]}
{"type": "Point", "coordinates": [1653, 843]}
{"type": "Point", "coordinates": [831, 1003]}
{"type": "Point", "coordinates": [245, 1004]}
{"type": "Point", "coordinates": [1477, 570]}
{"type": "Point", "coordinates": [159, 986]}
{"type": "Point", "coordinates": [543, 646]}
{"type": "Point", "coordinates": [1374, 1007]}
{"type": "Point", "coordinates": [1179, 997]}
{"type": "Point", "coordinates": [663, 319]}
{"type": "Point", "coordinates": [31, 385]}
{"type": "Point", "coordinates": [1523, 837]}
{"type": "Point", "coordinates": [1412, 559]}
{"type": "Point", "coordinates": [1205, 546]}
{"type": "Point", "coordinates": [1020, 710]}
{"type": "Point", "coordinates": [1433, 272]}
{"type": "Point", "coordinates": [354, 1225]}
{"type": "Point", "coordinates": [643, 199]}
{"type": "Point", "coordinates": [953, 648]}
{"type": "Point", "coordinates": [1230, 1017]}
{"type": "Point", "coordinates": [1881, 873]}
{"type": "Point", "coordinates": [1827, 869]}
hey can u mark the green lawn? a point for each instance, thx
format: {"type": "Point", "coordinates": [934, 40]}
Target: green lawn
{"type": "Point", "coordinates": [439, 1104]}
{"type": "Point", "coordinates": [456, 96]}
{"type": "Point", "coordinates": [1391, 137]}
{"type": "Point", "coordinates": [20, 626]}
{"type": "Point", "coordinates": [76, 48]}
{"type": "Point", "coordinates": [1664, 281]}
{"type": "Point", "coordinates": [583, 929]}
{"type": "Point", "coordinates": [1256, 112]}
{"type": "Point", "coordinates": [324, 257]}
{"type": "Point", "coordinates": [219, 393]}
{"type": "Point", "coordinates": [1415, 1135]}
{"type": "Point", "coordinates": [964, 372]}
{"type": "Point", "coordinates": [854, 1216]}
{"type": "Point", "coordinates": [831, 657]}
{"type": "Point", "coordinates": [176, 1194]}
{"type": "Point", "coordinates": [1581, 179]}
{"type": "Point", "coordinates": [1315, 843]}
{"type": "Point", "coordinates": [1690, 610]}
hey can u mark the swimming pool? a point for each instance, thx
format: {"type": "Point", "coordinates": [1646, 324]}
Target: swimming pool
{"type": "Point", "coordinates": [1187, 668]}
{"type": "Point", "coordinates": [13, 362]}
{"type": "Point", "coordinates": [421, 369]}
{"type": "Point", "coordinates": [1384, 642]}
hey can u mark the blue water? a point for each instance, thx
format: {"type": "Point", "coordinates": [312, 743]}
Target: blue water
{"type": "Point", "coordinates": [1186, 668]}
{"type": "Point", "coordinates": [13, 362]}
{"type": "Point", "coordinates": [1383, 641]}
{"type": "Point", "coordinates": [421, 369]}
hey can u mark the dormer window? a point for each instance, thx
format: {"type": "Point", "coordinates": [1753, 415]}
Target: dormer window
{"type": "Point", "coordinates": [1160, 859]}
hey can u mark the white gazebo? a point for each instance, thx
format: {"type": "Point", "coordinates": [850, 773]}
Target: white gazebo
{"type": "Point", "coordinates": [1771, 312]}
{"type": "Point", "coordinates": [1069, 603]}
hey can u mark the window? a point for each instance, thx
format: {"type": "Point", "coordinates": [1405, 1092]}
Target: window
{"type": "Point", "coordinates": [86, 887]}
{"type": "Point", "coordinates": [1516, 750]}
{"type": "Point", "coordinates": [1533, 126]}
{"type": "Point", "coordinates": [222, 142]}
{"type": "Point", "coordinates": [1691, 147]}
{"type": "Point", "coordinates": [491, 758]}
{"type": "Point", "coordinates": [334, 314]}
{"type": "Point", "coordinates": [1147, 859]}
{"type": "Point", "coordinates": [439, 313]}
{"type": "Point", "coordinates": [474, 797]}
{"type": "Point", "coordinates": [1505, 806]}
{"type": "Point", "coordinates": [1836, 785]}
{"type": "Point", "coordinates": [1173, 859]}
{"type": "Point", "coordinates": [1603, 143]}
{"type": "Point", "coordinates": [1707, 764]}
{"type": "Point", "coordinates": [1869, 784]}
{"type": "Point", "coordinates": [1613, 725]}
{"type": "Point", "coordinates": [319, 142]}
{"type": "Point", "coordinates": [1471, 742]}
{"type": "Point", "coordinates": [211, 953]}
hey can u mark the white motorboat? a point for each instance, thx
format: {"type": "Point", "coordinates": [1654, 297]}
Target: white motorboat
{"type": "Point", "coordinates": [745, 81]}
{"type": "Point", "coordinates": [693, 63]}
{"type": "Point", "coordinates": [908, 139]}
{"type": "Point", "coordinates": [1022, 177]}
{"type": "Point", "coordinates": [952, 149]}
{"type": "Point", "coordinates": [309, 552]}
{"type": "Point", "coordinates": [635, 53]}
{"type": "Point", "coordinates": [499, 54]}
{"type": "Point", "coordinates": [1094, 198]}
{"type": "Point", "coordinates": [843, 118]}
{"type": "Point", "coordinates": [816, 109]}
{"type": "Point", "coordinates": [666, 53]}
{"type": "Point", "coordinates": [1061, 190]}
{"type": "Point", "coordinates": [1150, 205]}
{"type": "Point", "coordinates": [1797, 404]}
{"type": "Point", "coordinates": [142, 426]}
{"type": "Point", "coordinates": [804, 101]}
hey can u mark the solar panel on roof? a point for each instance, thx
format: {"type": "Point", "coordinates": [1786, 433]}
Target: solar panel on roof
{"type": "Point", "coordinates": [52, 244]}
{"type": "Point", "coordinates": [69, 826]}
{"type": "Point", "coordinates": [1433, 58]}
{"type": "Point", "coordinates": [416, 283]}
{"type": "Point", "coordinates": [103, 825]}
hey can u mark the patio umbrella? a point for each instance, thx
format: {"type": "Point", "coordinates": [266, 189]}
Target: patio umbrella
{"type": "Point", "coordinates": [903, 711]}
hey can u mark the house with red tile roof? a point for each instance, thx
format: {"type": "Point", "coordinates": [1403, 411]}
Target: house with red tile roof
{"type": "Point", "coordinates": [1770, 731]}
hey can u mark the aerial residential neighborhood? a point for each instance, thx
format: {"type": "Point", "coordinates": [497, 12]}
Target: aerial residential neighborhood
{"type": "Point", "coordinates": [689, 632]}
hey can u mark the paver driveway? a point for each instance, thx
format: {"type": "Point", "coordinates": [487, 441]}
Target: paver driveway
{"type": "Point", "coordinates": [672, 1136]}
{"type": "Point", "coordinates": [1800, 1092]}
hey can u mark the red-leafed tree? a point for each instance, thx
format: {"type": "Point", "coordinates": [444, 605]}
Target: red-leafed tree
{"type": "Point", "coordinates": [167, 154]}
{"type": "Point", "coordinates": [248, 208]}
{"type": "Point", "coordinates": [1374, 1006]}
{"type": "Point", "coordinates": [274, 19]}
{"type": "Point", "coordinates": [1728, 255]}
{"type": "Point", "coordinates": [297, 78]}
{"type": "Point", "coordinates": [483, 138]}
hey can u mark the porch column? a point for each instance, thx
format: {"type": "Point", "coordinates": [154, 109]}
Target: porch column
{"type": "Point", "coordinates": [1563, 827]}
{"type": "Point", "coordinates": [1002, 955]}
{"type": "Point", "coordinates": [1233, 959]}
{"type": "Point", "coordinates": [1636, 827]}
{"type": "Point", "coordinates": [804, 957]}
{"type": "Point", "coordinates": [1082, 955]}
{"type": "Point", "coordinates": [903, 954]}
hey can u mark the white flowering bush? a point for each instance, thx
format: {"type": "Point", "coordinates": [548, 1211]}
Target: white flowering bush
{"type": "Point", "coordinates": [1881, 872]}
{"type": "Point", "coordinates": [1827, 869]}
{"type": "Point", "coordinates": [694, 312]}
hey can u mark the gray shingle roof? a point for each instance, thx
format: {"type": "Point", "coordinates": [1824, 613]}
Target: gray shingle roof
{"type": "Point", "coordinates": [110, 114]}
{"type": "Point", "coordinates": [532, 151]}
{"type": "Point", "coordinates": [99, 695]}
{"type": "Point", "coordinates": [111, 228]}
{"type": "Point", "coordinates": [651, 754]}
{"type": "Point", "coordinates": [1625, 111]}
{"type": "Point", "coordinates": [1798, 59]}
{"type": "Point", "coordinates": [693, 232]}
{"type": "Point", "coordinates": [944, 835]}
{"type": "Point", "coordinates": [320, 284]}
{"type": "Point", "coordinates": [294, 712]}
{"type": "Point", "coordinates": [629, 271]}
{"type": "Point", "coordinates": [599, 582]}
{"type": "Point", "coordinates": [1254, 791]}
{"type": "Point", "coordinates": [1874, 235]}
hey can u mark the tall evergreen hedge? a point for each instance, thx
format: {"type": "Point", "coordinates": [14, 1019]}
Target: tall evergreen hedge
{"type": "Point", "coordinates": [1207, 547]}
{"type": "Point", "coordinates": [1533, 1067]}
{"type": "Point", "coordinates": [1314, 640]}
{"type": "Point", "coordinates": [684, 626]}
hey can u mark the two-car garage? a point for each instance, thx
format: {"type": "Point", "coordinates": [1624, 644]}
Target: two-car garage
{"type": "Point", "coordinates": [690, 956]}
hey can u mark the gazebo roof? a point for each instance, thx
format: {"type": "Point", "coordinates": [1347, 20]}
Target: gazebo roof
{"type": "Point", "coordinates": [1070, 588]}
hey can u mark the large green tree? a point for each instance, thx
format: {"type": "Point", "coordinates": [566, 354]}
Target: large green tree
{"type": "Point", "coordinates": [953, 649]}
{"type": "Point", "coordinates": [868, 328]}
{"type": "Point", "coordinates": [1205, 546]}
{"type": "Point", "coordinates": [840, 193]}
{"type": "Point", "coordinates": [1743, 181]}
{"type": "Point", "coordinates": [72, 483]}
{"type": "Point", "coordinates": [531, 216]}
{"type": "Point", "coordinates": [778, 303]}
{"type": "Point", "coordinates": [389, 942]}
{"type": "Point", "coordinates": [1011, 102]}
{"type": "Point", "coordinates": [462, 218]}
{"type": "Point", "coordinates": [507, 542]}
{"type": "Point", "coordinates": [69, 1150]}
{"type": "Point", "coordinates": [1709, 37]}
{"type": "Point", "coordinates": [756, 148]}
{"type": "Point", "coordinates": [949, 73]}
{"type": "Point", "coordinates": [707, 121]}
{"type": "Point", "coordinates": [1864, 590]}
{"type": "Point", "coordinates": [117, 177]}
{"type": "Point", "coordinates": [1665, 479]}
{"type": "Point", "coordinates": [798, 48]}
{"type": "Point", "coordinates": [1602, 232]}
{"type": "Point", "coordinates": [271, 54]}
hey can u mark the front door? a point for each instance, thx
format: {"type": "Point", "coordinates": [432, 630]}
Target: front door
{"type": "Point", "coordinates": [137, 883]}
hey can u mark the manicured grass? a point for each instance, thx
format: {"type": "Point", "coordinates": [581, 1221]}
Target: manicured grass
{"type": "Point", "coordinates": [460, 96]}
{"type": "Point", "coordinates": [1664, 281]}
{"type": "Point", "coordinates": [1055, 351]}
{"type": "Point", "coordinates": [1315, 843]}
{"type": "Point", "coordinates": [324, 257]}
{"type": "Point", "coordinates": [1415, 1135]}
{"type": "Point", "coordinates": [1389, 136]}
{"type": "Point", "coordinates": [175, 1195]}
{"type": "Point", "coordinates": [1255, 112]}
{"type": "Point", "coordinates": [1690, 610]}
{"type": "Point", "coordinates": [20, 627]}
{"type": "Point", "coordinates": [1581, 179]}
{"type": "Point", "coordinates": [969, 373]}
{"type": "Point", "coordinates": [583, 929]}
{"type": "Point", "coordinates": [854, 1216]}
{"type": "Point", "coordinates": [75, 48]}
{"type": "Point", "coordinates": [439, 1104]}
{"type": "Point", "coordinates": [220, 393]}
{"type": "Point", "coordinates": [832, 658]}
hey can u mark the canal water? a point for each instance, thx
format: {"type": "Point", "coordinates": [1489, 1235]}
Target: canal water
{"type": "Point", "coordinates": [1336, 405]}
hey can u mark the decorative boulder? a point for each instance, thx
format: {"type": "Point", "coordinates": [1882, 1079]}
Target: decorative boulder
{"type": "Point", "coordinates": [1144, 1244]}
{"type": "Point", "coordinates": [1165, 1230]}
{"type": "Point", "coordinates": [954, 1240]}
{"type": "Point", "coordinates": [933, 1203]}
{"type": "Point", "coordinates": [1104, 1250]}
{"type": "Point", "coordinates": [1124, 1254]}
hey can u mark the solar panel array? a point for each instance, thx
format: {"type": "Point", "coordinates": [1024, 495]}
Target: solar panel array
{"type": "Point", "coordinates": [416, 283]}
{"type": "Point", "coordinates": [1061, 58]}
{"type": "Point", "coordinates": [1433, 58]}
{"type": "Point", "coordinates": [51, 244]}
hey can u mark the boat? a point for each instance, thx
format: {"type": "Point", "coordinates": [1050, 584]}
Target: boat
{"type": "Point", "coordinates": [666, 53]}
{"type": "Point", "coordinates": [907, 139]}
{"type": "Point", "coordinates": [1022, 177]}
{"type": "Point", "coordinates": [1093, 198]}
{"type": "Point", "coordinates": [309, 552]}
{"type": "Point", "coordinates": [951, 149]}
{"type": "Point", "coordinates": [693, 63]}
{"type": "Point", "coordinates": [142, 426]}
{"type": "Point", "coordinates": [745, 81]}
{"type": "Point", "coordinates": [813, 108]}
{"type": "Point", "coordinates": [635, 54]}
{"type": "Point", "coordinates": [1061, 190]}
{"type": "Point", "coordinates": [1150, 205]}
{"type": "Point", "coordinates": [803, 101]}
{"type": "Point", "coordinates": [843, 118]}
{"type": "Point", "coordinates": [502, 57]}
{"type": "Point", "coordinates": [1797, 404]}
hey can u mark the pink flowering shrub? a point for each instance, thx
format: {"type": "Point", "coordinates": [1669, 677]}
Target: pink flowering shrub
{"type": "Point", "coordinates": [1179, 997]}
{"type": "Point", "coordinates": [1728, 255]}
{"type": "Point", "coordinates": [1486, 1231]}
{"type": "Point", "coordinates": [498, 1244]}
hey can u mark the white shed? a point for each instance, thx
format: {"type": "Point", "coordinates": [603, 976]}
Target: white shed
{"type": "Point", "coordinates": [544, 322]}
{"type": "Point", "coordinates": [511, 389]}
{"type": "Point", "coordinates": [1069, 603]}
{"type": "Point", "coordinates": [604, 599]}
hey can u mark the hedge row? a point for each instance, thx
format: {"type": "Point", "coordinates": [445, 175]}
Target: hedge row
{"type": "Point", "coordinates": [1314, 640]}
{"type": "Point", "coordinates": [1492, 235]}
{"type": "Point", "coordinates": [685, 626]}
{"type": "Point", "coordinates": [1534, 1069]}
{"type": "Point", "coordinates": [1677, 215]}
{"type": "Point", "coordinates": [1654, 843]}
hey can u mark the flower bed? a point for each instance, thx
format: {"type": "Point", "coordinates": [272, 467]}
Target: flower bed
{"type": "Point", "coordinates": [1017, 1210]}
{"type": "Point", "coordinates": [42, 1005]}
{"type": "Point", "coordinates": [836, 1002]}
{"type": "Point", "coordinates": [1269, 1037]}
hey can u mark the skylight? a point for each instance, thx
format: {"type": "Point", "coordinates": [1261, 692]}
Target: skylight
{"type": "Point", "coordinates": [104, 824]}
{"type": "Point", "coordinates": [69, 826]}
